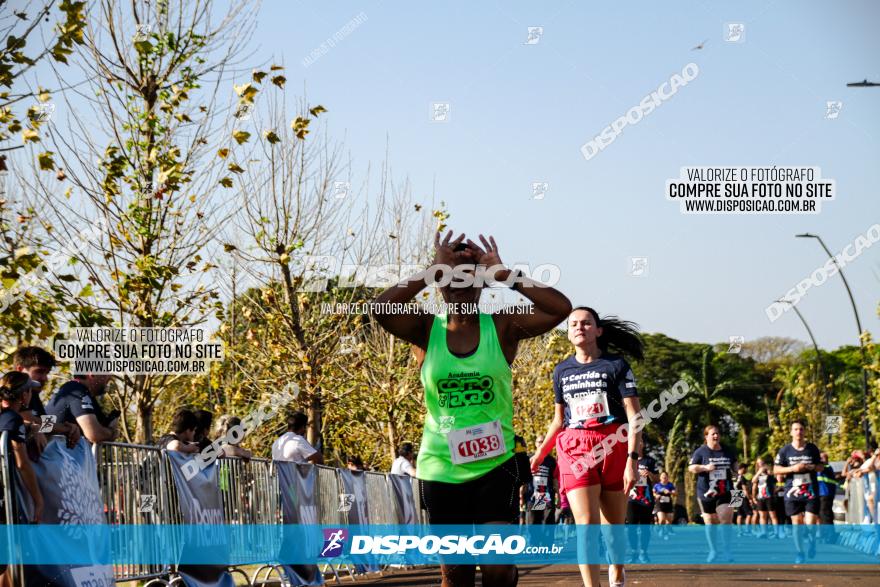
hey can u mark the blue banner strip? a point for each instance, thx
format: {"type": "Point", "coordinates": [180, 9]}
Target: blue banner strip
{"type": "Point", "coordinates": [429, 545]}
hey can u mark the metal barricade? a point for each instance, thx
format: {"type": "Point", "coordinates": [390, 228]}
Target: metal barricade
{"type": "Point", "coordinates": [855, 501]}
{"type": "Point", "coordinates": [249, 491]}
{"type": "Point", "coordinates": [417, 497]}
{"type": "Point", "coordinates": [328, 491]}
{"type": "Point", "coordinates": [380, 499]}
{"type": "Point", "coordinates": [134, 481]}
{"type": "Point", "coordinates": [137, 488]}
{"type": "Point", "coordinates": [8, 507]}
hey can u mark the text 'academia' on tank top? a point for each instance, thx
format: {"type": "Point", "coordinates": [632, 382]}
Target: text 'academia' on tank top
{"type": "Point", "coordinates": [469, 421]}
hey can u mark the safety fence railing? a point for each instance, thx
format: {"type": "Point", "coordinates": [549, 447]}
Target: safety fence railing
{"type": "Point", "coordinates": [863, 525]}
{"type": "Point", "coordinates": [137, 485]}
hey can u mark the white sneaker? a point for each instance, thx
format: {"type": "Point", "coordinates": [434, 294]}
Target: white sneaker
{"type": "Point", "coordinates": [622, 581]}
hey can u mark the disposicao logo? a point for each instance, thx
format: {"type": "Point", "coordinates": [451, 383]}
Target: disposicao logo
{"type": "Point", "coordinates": [334, 541]}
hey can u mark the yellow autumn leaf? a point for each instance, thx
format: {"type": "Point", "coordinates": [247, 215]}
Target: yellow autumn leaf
{"type": "Point", "coordinates": [45, 161]}
{"type": "Point", "coordinates": [246, 92]}
{"type": "Point", "coordinates": [241, 136]}
{"type": "Point", "coordinates": [30, 135]}
{"type": "Point", "coordinates": [223, 153]}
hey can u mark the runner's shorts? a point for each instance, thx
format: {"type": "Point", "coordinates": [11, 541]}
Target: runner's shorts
{"type": "Point", "coordinates": [764, 505]}
{"type": "Point", "coordinates": [639, 513]}
{"type": "Point", "coordinates": [576, 469]}
{"type": "Point", "coordinates": [709, 506]}
{"type": "Point", "coordinates": [664, 507]}
{"type": "Point", "coordinates": [494, 497]}
{"type": "Point", "coordinates": [794, 507]}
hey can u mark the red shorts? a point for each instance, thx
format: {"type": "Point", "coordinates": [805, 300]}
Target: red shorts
{"type": "Point", "coordinates": [576, 469]}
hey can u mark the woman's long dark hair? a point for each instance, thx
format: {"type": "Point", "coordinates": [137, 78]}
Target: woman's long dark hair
{"type": "Point", "coordinates": [622, 336]}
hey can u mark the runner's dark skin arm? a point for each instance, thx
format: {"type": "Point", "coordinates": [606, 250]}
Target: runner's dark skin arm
{"type": "Point", "coordinates": [550, 306]}
{"type": "Point", "coordinates": [415, 328]}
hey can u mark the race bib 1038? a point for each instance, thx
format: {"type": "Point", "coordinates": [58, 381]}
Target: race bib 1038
{"type": "Point", "coordinates": [476, 443]}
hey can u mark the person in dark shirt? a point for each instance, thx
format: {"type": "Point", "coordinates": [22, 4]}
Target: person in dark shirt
{"type": "Point", "coordinates": [665, 493]}
{"type": "Point", "coordinates": [596, 397]}
{"type": "Point", "coordinates": [542, 501]}
{"type": "Point", "coordinates": [204, 418]}
{"type": "Point", "coordinates": [743, 514]}
{"type": "Point", "coordinates": [74, 403]}
{"type": "Point", "coordinates": [799, 462]}
{"type": "Point", "coordinates": [828, 485]}
{"type": "Point", "coordinates": [37, 363]}
{"type": "Point", "coordinates": [15, 395]}
{"type": "Point", "coordinates": [640, 510]}
{"type": "Point", "coordinates": [764, 492]}
{"type": "Point", "coordinates": [714, 465]}
{"type": "Point", "coordinates": [182, 437]}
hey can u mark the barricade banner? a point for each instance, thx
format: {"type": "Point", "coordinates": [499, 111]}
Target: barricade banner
{"type": "Point", "coordinates": [68, 480]}
{"type": "Point", "coordinates": [299, 505]}
{"type": "Point", "coordinates": [353, 502]}
{"type": "Point", "coordinates": [198, 497]}
{"type": "Point", "coordinates": [401, 486]}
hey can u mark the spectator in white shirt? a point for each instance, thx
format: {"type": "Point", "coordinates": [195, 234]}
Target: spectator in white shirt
{"type": "Point", "coordinates": [403, 464]}
{"type": "Point", "coordinates": [292, 445]}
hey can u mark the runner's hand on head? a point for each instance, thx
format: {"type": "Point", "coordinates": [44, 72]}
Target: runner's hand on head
{"type": "Point", "coordinates": [487, 255]}
{"type": "Point", "coordinates": [444, 251]}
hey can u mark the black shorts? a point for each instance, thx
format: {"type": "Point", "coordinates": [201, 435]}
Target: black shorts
{"type": "Point", "coordinates": [708, 506]}
{"type": "Point", "coordinates": [664, 507]}
{"type": "Point", "coordinates": [545, 516]}
{"type": "Point", "coordinates": [796, 507]}
{"type": "Point", "coordinates": [639, 513]}
{"type": "Point", "coordinates": [765, 505]}
{"type": "Point", "coordinates": [745, 509]}
{"type": "Point", "coordinates": [494, 497]}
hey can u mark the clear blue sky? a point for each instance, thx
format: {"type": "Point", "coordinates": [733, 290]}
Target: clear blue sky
{"type": "Point", "coordinates": [519, 113]}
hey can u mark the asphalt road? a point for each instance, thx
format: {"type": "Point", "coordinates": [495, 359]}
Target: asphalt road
{"type": "Point", "coordinates": [666, 576]}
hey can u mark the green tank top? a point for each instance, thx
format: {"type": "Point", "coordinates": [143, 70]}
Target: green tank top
{"type": "Point", "coordinates": [469, 421]}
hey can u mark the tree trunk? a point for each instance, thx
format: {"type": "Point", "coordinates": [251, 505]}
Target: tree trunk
{"type": "Point", "coordinates": [316, 413]}
{"type": "Point", "coordinates": [144, 428]}
{"type": "Point", "coordinates": [690, 496]}
{"type": "Point", "coordinates": [392, 438]}
{"type": "Point", "coordinates": [747, 450]}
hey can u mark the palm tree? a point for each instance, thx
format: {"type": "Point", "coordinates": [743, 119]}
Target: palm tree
{"type": "Point", "coordinates": [711, 400]}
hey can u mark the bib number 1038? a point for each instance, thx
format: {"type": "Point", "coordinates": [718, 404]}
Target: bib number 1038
{"type": "Point", "coordinates": [476, 443]}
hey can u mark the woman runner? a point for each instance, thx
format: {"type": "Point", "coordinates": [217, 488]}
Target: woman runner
{"type": "Point", "coordinates": [466, 467]}
{"type": "Point", "coordinates": [714, 465]}
{"type": "Point", "coordinates": [665, 492]}
{"type": "Point", "coordinates": [595, 395]}
{"type": "Point", "coordinates": [764, 490]}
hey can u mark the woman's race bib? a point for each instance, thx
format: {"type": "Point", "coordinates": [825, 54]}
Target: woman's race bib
{"type": "Point", "coordinates": [664, 499]}
{"type": "Point", "coordinates": [588, 406]}
{"type": "Point", "coordinates": [476, 443]}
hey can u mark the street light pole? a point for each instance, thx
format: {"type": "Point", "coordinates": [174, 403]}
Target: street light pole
{"type": "Point", "coordinates": [852, 301]}
{"type": "Point", "coordinates": [819, 365]}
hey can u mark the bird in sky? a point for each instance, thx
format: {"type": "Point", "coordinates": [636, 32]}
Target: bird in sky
{"type": "Point", "coordinates": [700, 46]}
{"type": "Point", "coordinates": [862, 84]}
